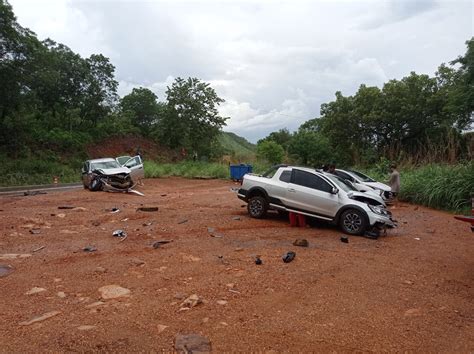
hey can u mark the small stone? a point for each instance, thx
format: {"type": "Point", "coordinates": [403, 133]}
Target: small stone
{"type": "Point", "coordinates": [43, 317]}
{"type": "Point", "coordinates": [35, 290]}
{"type": "Point", "coordinates": [35, 231]}
{"type": "Point", "coordinates": [96, 223]}
{"type": "Point", "coordinates": [113, 291]}
{"type": "Point", "coordinates": [14, 255]}
{"type": "Point", "coordinates": [238, 249]}
{"type": "Point", "coordinates": [179, 296]}
{"type": "Point", "coordinates": [61, 215]}
{"type": "Point", "coordinates": [5, 269]}
{"type": "Point", "coordinates": [301, 242]}
{"type": "Point", "coordinates": [236, 218]}
{"type": "Point", "coordinates": [137, 262]}
{"type": "Point", "coordinates": [95, 304]}
{"type": "Point", "coordinates": [191, 302]}
{"type": "Point", "coordinates": [230, 285]}
{"type": "Point", "coordinates": [61, 294]}
{"type": "Point", "coordinates": [205, 320]}
{"type": "Point", "coordinates": [100, 270]}
{"type": "Point", "coordinates": [222, 302]}
{"type": "Point", "coordinates": [161, 328]}
{"type": "Point", "coordinates": [224, 323]}
{"type": "Point", "coordinates": [57, 280]}
{"type": "Point", "coordinates": [408, 282]}
{"type": "Point", "coordinates": [192, 343]}
{"type": "Point", "coordinates": [412, 312]}
{"type": "Point", "coordinates": [86, 327]}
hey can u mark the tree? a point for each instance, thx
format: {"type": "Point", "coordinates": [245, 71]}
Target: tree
{"type": "Point", "coordinates": [311, 148]}
{"type": "Point", "coordinates": [192, 120]}
{"type": "Point", "coordinates": [281, 137]}
{"type": "Point", "coordinates": [143, 106]}
{"type": "Point", "coordinates": [270, 151]}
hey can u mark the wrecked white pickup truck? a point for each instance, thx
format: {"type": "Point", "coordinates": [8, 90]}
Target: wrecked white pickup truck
{"type": "Point", "coordinates": [120, 174]}
{"type": "Point", "coordinates": [316, 194]}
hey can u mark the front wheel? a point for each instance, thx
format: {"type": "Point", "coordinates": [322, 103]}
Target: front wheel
{"type": "Point", "coordinates": [257, 207]}
{"type": "Point", "coordinates": [353, 222]}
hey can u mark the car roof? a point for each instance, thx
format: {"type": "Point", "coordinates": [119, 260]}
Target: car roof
{"type": "Point", "coordinates": [106, 159]}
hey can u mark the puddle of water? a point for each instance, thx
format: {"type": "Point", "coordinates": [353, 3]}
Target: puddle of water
{"type": "Point", "coordinates": [5, 270]}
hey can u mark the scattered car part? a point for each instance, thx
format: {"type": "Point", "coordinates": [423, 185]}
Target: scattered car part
{"type": "Point", "coordinates": [89, 249]}
{"type": "Point", "coordinates": [344, 239]}
{"type": "Point", "coordinates": [119, 233]}
{"type": "Point", "coordinates": [147, 209]}
{"type": "Point", "coordinates": [289, 256]}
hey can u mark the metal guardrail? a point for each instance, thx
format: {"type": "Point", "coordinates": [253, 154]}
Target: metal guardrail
{"type": "Point", "coordinates": [20, 190]}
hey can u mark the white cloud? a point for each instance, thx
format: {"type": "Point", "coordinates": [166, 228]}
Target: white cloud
{"type": "Point", "coordinates": [273, 62]}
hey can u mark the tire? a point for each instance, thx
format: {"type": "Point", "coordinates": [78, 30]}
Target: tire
{"type": "Point", "coordinates": [257, 207]}
{"type": "Point", "coordinates": [353, 222]}
{"type": "Point", "coordinates": [96, 185]}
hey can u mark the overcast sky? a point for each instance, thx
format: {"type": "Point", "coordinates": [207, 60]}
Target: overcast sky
{"type": "Point", "coordinates": [274, 62]}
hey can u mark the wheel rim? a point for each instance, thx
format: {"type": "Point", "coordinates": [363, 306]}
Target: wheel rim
{"type": "Point", "coordinates": [256, 207]}
{"type": "Point", "coordinates": [352, 222]}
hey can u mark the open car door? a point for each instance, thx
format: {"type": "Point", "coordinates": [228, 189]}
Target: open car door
{"type": "Point", "coordinates": [135, 165]}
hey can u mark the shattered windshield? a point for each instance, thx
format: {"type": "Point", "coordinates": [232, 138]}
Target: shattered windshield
{"type": "Point", "coordinates": [364, 178]}
{"type": "Point", "coordinates": [104, 165]}
{"type": "Point", "coordinates": [346, 186]}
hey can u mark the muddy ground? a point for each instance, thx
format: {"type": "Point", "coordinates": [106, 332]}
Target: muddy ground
{"type": "Point", "coordinates": [411, 290]}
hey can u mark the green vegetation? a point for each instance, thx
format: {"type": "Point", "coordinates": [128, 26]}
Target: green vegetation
{"type": "Point", "coordinates": [237, 147]}
{"type": "Point", "coordinates": [194, 169]}
{"type": "Point", "coordinates": [36, 171]}
{"type": "Point", "coordinates": [439, 186]}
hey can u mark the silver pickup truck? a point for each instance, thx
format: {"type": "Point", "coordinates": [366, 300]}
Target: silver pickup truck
{"type": "Point", "coordinates": [316, 194]}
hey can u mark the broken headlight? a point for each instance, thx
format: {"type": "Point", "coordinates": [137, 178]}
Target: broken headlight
{"type": "Point", "coordinates": [379, 209]}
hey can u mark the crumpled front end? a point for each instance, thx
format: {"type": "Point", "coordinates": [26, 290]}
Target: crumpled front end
{"type": "Point", "coordinates": [121, 180]}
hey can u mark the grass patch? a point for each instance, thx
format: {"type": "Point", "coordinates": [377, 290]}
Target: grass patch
{"type": "Point", "coordinates": [36, 171]}
{"type": "Point", "coordinates": [447, 187]}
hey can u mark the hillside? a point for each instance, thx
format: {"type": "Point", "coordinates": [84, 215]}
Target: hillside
{"type": "Point", "coordinates": [237, 146]}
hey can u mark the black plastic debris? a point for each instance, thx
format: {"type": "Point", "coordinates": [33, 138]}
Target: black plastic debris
{"type": "Point", "coordinates": [66, 207]}
{"type": "Point", "coordinates": [301, 243]}
{"type": "Point", "coordinates": [344, 239]}
{"type": "Point", "coordinates": [372, 235]}
{"type": "Point", "coordinates": [114, 210]}
{"type": "Point", "coordinates": [258, 261]}
{"type": "Point", "coordinates": [35, 231]}
{"type": "Point", "coordinates": [89, 249]}
{"type": "Point", "coordinates": [147, 209]}
{"type": "Point", "coordinates": [119, 233]}
{"type": "Point", "coordinates": [289, 256]}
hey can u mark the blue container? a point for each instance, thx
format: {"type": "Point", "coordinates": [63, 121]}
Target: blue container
{"type": "Point", "coordinates": [237, 172]}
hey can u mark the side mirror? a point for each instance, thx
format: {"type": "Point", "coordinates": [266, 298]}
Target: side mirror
{"type": "Point", "coordinates": [334, 191]}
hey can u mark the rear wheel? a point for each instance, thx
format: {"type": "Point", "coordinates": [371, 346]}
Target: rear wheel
{"type": "Point", "coordinates": [353, 222]}
{"type": "Point", "coordinates": [257, 207]}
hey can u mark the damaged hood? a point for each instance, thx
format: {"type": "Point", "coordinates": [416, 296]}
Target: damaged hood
{"type": "Point", "coordinates": [380, 186]}
{"type": "Point", "coordinates": [364, 195]}
{"type": "Point", "coordinates": [114, 171]}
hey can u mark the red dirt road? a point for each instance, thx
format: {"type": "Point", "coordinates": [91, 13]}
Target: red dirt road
{"type": "Point", "coordinates": [411, 290]}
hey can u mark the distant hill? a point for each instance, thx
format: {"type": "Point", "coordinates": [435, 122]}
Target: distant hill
{"type": "Point", "coordinates": [237, 146]}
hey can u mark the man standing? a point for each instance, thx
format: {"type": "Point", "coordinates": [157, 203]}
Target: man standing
{"type": "Point", "coordinates": [394, 181]}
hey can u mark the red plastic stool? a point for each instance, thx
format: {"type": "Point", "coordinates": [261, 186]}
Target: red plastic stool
{"type": "Point", "coordinates": [302, 220]}
{"type": "Point", "coordinates": [293, 219]}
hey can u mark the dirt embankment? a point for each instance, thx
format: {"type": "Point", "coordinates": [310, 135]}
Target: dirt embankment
{"type": "Point", "coordinates": [130, 145]}
{"type": "Point", "coordinates": [411, 290]}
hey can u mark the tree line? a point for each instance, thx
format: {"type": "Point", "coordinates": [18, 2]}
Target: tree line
{"type": "Point", "coordinates": [417, 119]}
{"type": "Point", "coordinates": [54, 100]}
